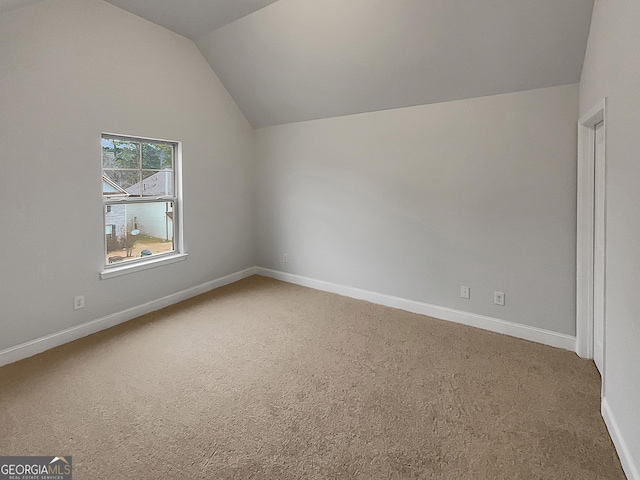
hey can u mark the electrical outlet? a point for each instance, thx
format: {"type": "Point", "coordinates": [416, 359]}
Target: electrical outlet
{"type": "Point", "coordinates": [285, 258]}
{"type": "Point", "coordinates": [465, 292]}
{"type": "Point", "coordinates": [498, 298]}
{"type": "Point", "coordinates": [78, 302]}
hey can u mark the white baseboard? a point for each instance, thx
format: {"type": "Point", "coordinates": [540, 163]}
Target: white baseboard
{"type": "Point", "coordinates": [624, 453]}
{"type": "Point", "coordinates": [525, 332]}
{"type": "Point", "coordinates": [533, 334]}
{"type": "Point", "coordinates": [39, 345]}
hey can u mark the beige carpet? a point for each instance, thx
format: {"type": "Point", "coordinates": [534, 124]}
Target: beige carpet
{"type": "Point", "coordinates": [266, 380]}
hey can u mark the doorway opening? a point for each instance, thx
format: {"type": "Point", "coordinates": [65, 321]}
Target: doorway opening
{"type": "Point", "coordinates": [591, 238]}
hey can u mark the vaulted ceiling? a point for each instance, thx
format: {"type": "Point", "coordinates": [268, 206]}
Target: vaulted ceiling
{"type": "Point", "coordinates": [192, 18]}
{"type": "Point", "coordinates": [293, 60]}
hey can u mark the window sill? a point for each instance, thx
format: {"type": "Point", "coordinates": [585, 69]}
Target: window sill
{"type": "Point", "coordinates": [136, 267]}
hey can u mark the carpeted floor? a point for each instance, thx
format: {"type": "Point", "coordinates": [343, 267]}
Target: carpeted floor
{"type": "Point", "coordinates": [266, 380]}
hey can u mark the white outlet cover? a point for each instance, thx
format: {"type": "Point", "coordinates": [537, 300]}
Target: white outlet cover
{"type": "Point", "coordinates": [465, 292]}
{"type": "Point", "coordinates": [78, 302]}
{"type": "Point", "coordinates": [498, 298]}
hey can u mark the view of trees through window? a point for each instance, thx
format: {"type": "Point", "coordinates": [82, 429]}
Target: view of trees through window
{"type": "Point", "coordinates": [138, 188]}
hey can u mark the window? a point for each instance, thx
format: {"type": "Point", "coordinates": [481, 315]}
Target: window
{"type": "Point", "coordinates": [140, 185]}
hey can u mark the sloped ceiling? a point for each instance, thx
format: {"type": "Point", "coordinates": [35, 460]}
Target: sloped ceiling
{"type": "Point", "coordinates": [305, 59]}
{"type": "Point", "coordinates": [292, 60]}
{"type": "Point", "coordinates": [191, 18]}
{"type": "Point", "coordinates": [6, 5]}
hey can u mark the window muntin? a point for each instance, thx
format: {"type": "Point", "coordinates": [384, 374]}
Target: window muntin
{"type": "Point", "coordinates": [138, 167]}
{"type": "Point", "coordinates": [139, 197]}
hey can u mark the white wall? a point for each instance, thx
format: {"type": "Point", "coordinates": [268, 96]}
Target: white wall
{"type": "Point", "coordinates": [612, 70]}
{"type": "Point", "coordinates": [69, 70]}
{"type": "Point", "coordinates": [415, 202]}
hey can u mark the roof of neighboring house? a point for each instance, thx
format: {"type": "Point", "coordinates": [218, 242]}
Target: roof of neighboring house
{"type": "Point", "coordinates": [160, 183]}
{"type": "Point", "coordinates": [112, 188]}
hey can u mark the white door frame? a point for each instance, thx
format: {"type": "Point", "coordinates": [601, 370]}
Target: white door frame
{"type": "Point", "coordinates": [585, 228]}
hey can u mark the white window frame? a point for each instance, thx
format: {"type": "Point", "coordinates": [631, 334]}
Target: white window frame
{"type": "Point", "coordinates": [178, 254]}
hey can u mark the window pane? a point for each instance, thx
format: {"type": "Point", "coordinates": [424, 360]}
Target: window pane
{"type": "Point", "coordinates": [154, 184]}
{"type": "Point", "coordinates": [135, 231]}
{"type": "Point", "coordinates": [156, 156]}
{"type": "Point", "coordinates": [120, 153]}
{"type": "Point", "coordinates": [118, 182]}
{"type": "Point", "coordinates": [108, 155]}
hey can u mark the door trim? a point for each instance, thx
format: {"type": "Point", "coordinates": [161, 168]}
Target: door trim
{"type": "Point", "coordinates": [585, 227]}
